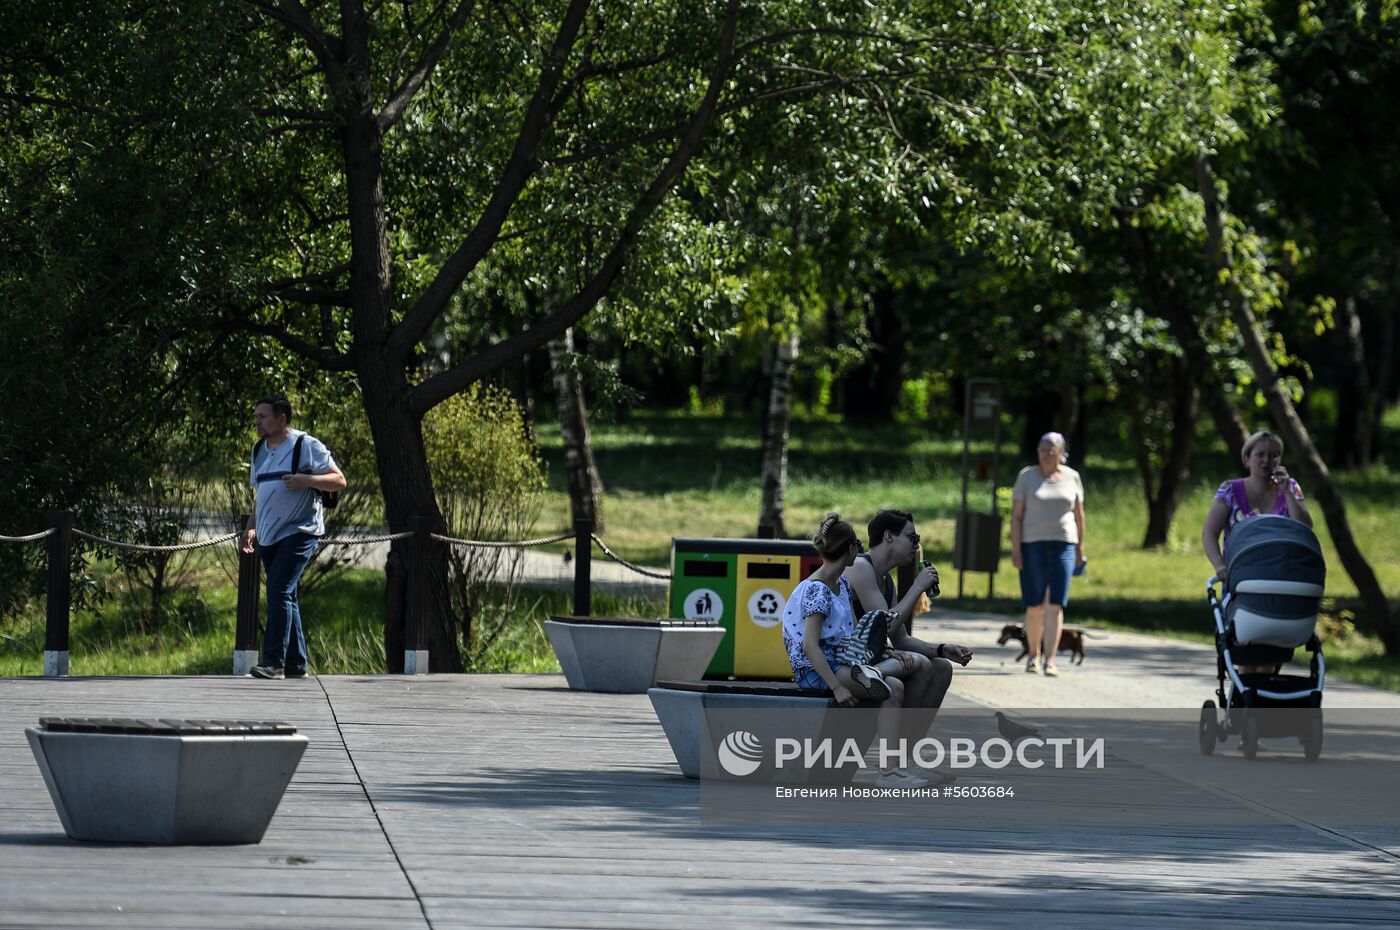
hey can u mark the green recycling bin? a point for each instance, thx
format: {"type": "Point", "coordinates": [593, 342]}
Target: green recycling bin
{"type": "Point", "coordinates": [743, 584]}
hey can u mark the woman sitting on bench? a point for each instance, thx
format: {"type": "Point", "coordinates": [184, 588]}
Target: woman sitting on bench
{"type": "Point", "coordinates": [818, 616]}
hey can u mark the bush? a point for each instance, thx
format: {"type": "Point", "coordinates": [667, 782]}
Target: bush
{"type": "Point", "coordinates": [490, 482]}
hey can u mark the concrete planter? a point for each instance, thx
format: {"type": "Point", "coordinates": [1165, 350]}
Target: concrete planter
{"type": "Point", "coordinates": [165, 781]}
{"type": "Point", "coordinates": [701, 717]}
{"type": "Point", "coordinates": [625, 656]}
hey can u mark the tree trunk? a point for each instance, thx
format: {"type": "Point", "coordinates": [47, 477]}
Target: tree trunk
{"type": "Point", "coordinates": [1384, 372]}
{"type": "Point", "coordinates": [1169, 305]}
{"type": "Point", "coordinates": [1041, 410]}
{"type": "Point", "coordinates": [1352, 445]}
{"type": "Point", "coordinates": [872, 390]}
{"type": "Point", "coordinates": [1176, 464]}
{"type": "Point", "coordinates": [398, 436]}
{"type": "Point", "coordinates": [585, 487]}
{"type": "Point", "coordinates": [776, 432]}
{"type": "Point", "coordinates": [1376, 609]}
{"type": "Point", "coordinates": [1228, 421]}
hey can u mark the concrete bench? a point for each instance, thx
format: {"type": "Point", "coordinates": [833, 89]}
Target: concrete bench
{"type": "Point", "coordinates": [627, 656]}
{"type": "Point", "coordinates": [165, 781]}
{"type": "Point", "coordinates": [727, 729]}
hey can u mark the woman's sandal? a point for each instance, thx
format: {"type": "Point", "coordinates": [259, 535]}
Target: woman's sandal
{"type": "Point", "coordinates": [870, 679]}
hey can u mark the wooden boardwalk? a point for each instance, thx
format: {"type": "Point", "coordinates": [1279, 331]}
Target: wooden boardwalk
{"type": "Point", "coordinates": [509, 801]}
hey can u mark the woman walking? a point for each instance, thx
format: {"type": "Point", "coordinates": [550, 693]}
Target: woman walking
{"type": "Point", "coordinates": [1047, 546]}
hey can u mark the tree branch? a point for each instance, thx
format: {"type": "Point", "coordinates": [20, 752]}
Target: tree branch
{"type": "Point", "coordinates": [318, 298]}
{"type": "Point", "coordinates": [323, 45]}
{"type": "Point", "coordinates": [445, 384]}
{"type": "Point", "coordinates": [521, 166]}
{"type": "Point", "coordinates": [329, 359]}
{"type": "Point", "coordinates": [401, 98]}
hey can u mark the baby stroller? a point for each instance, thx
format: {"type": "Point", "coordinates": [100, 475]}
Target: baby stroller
{"type": "Point", "coordinates": [1275, 577]}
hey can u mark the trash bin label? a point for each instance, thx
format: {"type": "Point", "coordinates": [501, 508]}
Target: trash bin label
{"type": "Point", "coordinates": [766, 607]}
{"type": "Point", "coordinates": [705, 604]}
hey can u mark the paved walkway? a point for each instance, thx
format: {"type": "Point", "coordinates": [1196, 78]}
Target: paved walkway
{"type": "Point", "coordinates": [1119, 670]}
{"type": "Point", "coordinates": [509, 801]}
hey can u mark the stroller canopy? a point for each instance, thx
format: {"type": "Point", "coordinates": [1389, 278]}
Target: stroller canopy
{"type": "Point", "coordinates": [1275, 549]}
{"type": "Point", "coordinates": [1275, 576]}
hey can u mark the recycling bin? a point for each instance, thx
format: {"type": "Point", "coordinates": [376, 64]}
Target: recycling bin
{"type": "Point", "coordinates": [743, 584]}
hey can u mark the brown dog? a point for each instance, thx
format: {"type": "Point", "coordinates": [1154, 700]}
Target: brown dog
{"type": "Point", "coordinates": [1071, 641]}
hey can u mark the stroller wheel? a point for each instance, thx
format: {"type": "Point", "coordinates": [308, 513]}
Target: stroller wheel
{"type": "Point", "coordinates": [1250, 739]}
{"type": "Point", "coordinates": [1205, 732]}
{"type": "Point", "coordinates": [1312, 736]}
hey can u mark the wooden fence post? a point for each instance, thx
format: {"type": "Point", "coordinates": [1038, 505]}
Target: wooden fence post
{"type": "Point", "coordinates": [246, 650]}
{"type": "Point", "coordinates": [583, 568]}
{"type": "Point", "coordinates": [415, 650]}
{"type": "Point", "coordinates": [60, 597]}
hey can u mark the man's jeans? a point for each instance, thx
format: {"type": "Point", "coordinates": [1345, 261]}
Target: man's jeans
{"type": "Point", "coordinates": [284, 643]}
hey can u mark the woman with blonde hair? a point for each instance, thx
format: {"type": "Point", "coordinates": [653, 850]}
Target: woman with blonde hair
{"type": "Point", "coordinates": [1266, 489]}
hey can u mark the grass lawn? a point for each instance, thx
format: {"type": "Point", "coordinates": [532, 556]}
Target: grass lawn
{"type": "Point", "coordinates": [679, 475]}
{"type": "Point", "coordinates": [695, 476]}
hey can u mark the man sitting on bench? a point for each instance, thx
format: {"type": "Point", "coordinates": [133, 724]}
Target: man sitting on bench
{"type": "Point", "coordinates": [893, 542]}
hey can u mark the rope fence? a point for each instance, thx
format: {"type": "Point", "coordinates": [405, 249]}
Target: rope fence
{"type": "Point", "coordinates": [664, 576]}
{"type": "Point", "coordinates": [482, 544]}
{"type": "Point", "coordinates": [142, 547]}
{"type": "Point", "coordinates": [32, 537]}
{"type": "Point", "coordinates": [59, 537]}
{"type": "Point", "coordinates": [365, 540]}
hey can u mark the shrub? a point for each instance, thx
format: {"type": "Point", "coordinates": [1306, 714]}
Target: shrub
{"type": "Point", "coordinates": [490, 483]}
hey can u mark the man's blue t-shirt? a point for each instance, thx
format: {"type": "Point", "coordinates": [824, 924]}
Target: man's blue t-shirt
{"type": "Point", "coordinates": [282, 512]}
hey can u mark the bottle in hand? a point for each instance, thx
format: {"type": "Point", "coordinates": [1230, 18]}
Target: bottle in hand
{"type": "Point", "coordinates": [933, 588]}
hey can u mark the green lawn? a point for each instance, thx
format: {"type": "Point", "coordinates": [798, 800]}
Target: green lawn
{"type": "Point", "coordinates": [692, 476]}
{"type": "Point", "coordinates": [674, 475]}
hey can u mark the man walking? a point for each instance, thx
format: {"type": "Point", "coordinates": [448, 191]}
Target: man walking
{"type": "Point", "coordinates": [290, 470]}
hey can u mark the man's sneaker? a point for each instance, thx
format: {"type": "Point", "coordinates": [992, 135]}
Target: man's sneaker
{"type": "Point", "coordinates": [900, 778]}
{"type": "Point", "coordinates": [871, 681]}
{"type": "Point", "coordinates": [290, 673]}
{"type": "Point", "coordinates": [268, 671]}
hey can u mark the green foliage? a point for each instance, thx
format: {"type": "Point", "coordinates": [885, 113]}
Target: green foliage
{"type": "Point", "coordinates": [488, 475]}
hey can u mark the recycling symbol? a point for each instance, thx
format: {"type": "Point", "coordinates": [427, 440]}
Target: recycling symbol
{"type": "Point", "coordinates": [766, 607]}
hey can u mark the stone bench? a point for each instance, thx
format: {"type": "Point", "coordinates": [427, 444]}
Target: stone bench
{"type": "Point", "coordinates": [165, 781]}
{"type": "Point", "coordinates": [720, 729]}
{"type": "Point", "coordinates": [627, 656]}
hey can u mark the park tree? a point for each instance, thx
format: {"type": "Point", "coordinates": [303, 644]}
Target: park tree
{"type": "Point", "coordinates": [1239, 280]}
{"type": "Point", "coordinates": [410, 197]}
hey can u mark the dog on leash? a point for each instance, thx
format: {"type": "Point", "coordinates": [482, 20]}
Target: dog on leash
{"type": "Point", "coordinates": [1071, 641]}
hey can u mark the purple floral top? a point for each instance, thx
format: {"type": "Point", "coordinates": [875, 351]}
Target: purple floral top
{"type": "Point", "coordinates": [1233, 493]}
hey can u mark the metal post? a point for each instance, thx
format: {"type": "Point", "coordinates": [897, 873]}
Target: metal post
{"type": "Point", "coordinates": [59, 602]}
{"type": "Point", "coordinates": [245, 634]}
{"type": "Point", "coordinates": [415, 649]}
{"type": "Point", "coordinates": [583, 568]}
{"type": "Point", "coordinates": [996, 508]}
{"type": "Point", "coordinates": [765, 531]}
{"type": "Point", "coordinates": [960, 534]}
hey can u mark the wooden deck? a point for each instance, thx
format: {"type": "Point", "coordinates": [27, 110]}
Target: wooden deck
{"type": "Point", "coordinates": [509, 801]}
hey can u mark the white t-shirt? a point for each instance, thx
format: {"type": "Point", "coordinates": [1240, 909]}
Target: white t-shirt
{"type": "Point", "coordinates": [1049, 504]}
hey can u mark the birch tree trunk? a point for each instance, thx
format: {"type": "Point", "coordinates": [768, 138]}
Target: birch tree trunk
{"type": "Point", "coordinates": [777, 429]}
{"type": "Point", "coordinates": [585, 487]}
{"type": "Point", "coordinates": [1376, 609]}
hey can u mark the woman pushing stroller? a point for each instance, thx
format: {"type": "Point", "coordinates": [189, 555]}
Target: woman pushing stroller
{"type": "Point", "coordinates": [1267, 489]}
